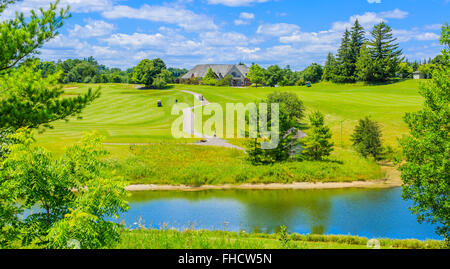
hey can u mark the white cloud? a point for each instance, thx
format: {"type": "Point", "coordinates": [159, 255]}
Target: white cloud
{"type": "Point", "coordinates": [173, 15]}
{"type": "Point", "coordinates": [323, 37]}
{"type": "Point", "coordinates": [394, 14]}
{"type": "Point", "coordinates": [136, 40]}
{"type": "Point", "coordinates": [244, 18]}
{"type": "Point", "coordinates": [433, 27]}
{"type": "Point", "coordinates": [374, 1]}
{"type": "Point", "coordinates": [235, 3]}
{"type": "Point", "coordinates": [241, 22]}
{"type": "Point", "coordinates": [224, 39]}
{"type": "Point", "coordinates": [369, 19]}
{"type": "Point", "coordinates": [94, 28]}
{"type": "Point", "coordinates": [279, 29]}
{"type": "Point", "coordinates": [247, 16]}
{"type": "Point", "coordinates": [407, 35]}
{"type": "Point", "coordinates": [76, 6]}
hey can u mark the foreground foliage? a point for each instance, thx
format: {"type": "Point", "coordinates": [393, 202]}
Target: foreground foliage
{"type": "Point", "coordinates": [38, 203]}
{"type": "Point", "coordinates": [203, 239]}
{"type": "Point", "coordinates": [29, 100]}
{"type": "Point", "coordinates": [427, 150]}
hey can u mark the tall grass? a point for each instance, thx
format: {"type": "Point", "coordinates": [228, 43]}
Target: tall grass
{"type": "Point", "coordinates": [203, 239]}
{"type": "Point", "coordinates": [195, 165]}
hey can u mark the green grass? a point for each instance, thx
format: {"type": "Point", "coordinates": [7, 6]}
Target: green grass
{"type": "Point", "coordinates": [194, 165]}
{"type": "Point", "coordinates": [202, 239]}
{"type": "Point", "coordinates": [386, 104]}
{"type": "Point", "coordinates": [124, 114]}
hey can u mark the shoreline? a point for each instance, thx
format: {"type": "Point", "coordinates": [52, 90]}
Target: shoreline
{"type": "Point", "coordinates": [392, 180]}
{"type": "Point", "coordinates": [373, 184]}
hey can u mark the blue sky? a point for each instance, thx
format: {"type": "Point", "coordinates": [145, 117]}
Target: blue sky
{"type": "Point", "coordinates": [120, 33]}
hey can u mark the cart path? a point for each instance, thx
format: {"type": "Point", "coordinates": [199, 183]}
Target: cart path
{"type": "Point", "coordinates": [188, 127]}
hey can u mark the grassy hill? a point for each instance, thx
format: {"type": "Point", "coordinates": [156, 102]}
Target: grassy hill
{"type": "Point", "coordinates": [124, 114]}
{"type": "Point", "coordinates": [386, 104]}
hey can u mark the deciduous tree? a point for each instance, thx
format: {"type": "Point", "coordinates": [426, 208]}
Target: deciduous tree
{"type": "Point", "coordinates": [256, 74]}
{"type": "Point", "coordinates": [425, 173]}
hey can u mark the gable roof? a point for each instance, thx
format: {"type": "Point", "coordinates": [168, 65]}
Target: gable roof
{"type": "Point", "coordinates": [221, 70]}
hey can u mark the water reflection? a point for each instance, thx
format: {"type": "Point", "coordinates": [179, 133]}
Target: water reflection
{"type": "Point", "coordinates": [371, 213]}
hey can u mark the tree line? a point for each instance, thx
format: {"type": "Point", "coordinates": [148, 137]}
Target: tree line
{"type": "Point", "coordinates": [88, 70]}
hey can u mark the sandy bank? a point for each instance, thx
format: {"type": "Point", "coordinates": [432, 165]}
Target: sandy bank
{"type": "Point", "coordinates": [273, 186]}
{"type": "Point", "coordinates": [392, 180]}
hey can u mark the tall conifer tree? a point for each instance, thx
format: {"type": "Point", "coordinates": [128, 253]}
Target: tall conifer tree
{"type": "Point", "coordinates": [356, 42]}
{"type": "Point", "coordinates": [344, 59]}
{"type": "Point", "coordinates": [329, 69]}
{"type": "Point", "coordinates": [385, 52]}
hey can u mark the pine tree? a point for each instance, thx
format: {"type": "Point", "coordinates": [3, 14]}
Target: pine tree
{"type": "Point", "coordinates": [356, 43]}
{"type": "Point", "coordinates": [209, 78]}
{"type": "Point", "coordinates": [367, 138]}
{"type": "Point", "coordinates": [344, 59]}
{"type": "Point", "coordinates": [330, 68]}
{"type": "Point", "coordinates": [385, 52]}
{"type": "Point", "coordinates": [317, 144]}
{"type": "Point", "coordinates": [28, 100]}
{"type": "Point", "coordinates": [364, 65]}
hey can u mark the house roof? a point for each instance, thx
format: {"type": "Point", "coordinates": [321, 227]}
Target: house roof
{"type": "Point", "coordinates": [221, 70]}
{"type": "Point", "coordinates": [299, 134]}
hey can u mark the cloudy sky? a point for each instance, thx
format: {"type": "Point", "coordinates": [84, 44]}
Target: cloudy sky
{"type": "Point", "coordinates": [120, 33]}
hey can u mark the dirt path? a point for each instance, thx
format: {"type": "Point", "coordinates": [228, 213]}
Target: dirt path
{"type": "Point", "coordinates": [188, 127]}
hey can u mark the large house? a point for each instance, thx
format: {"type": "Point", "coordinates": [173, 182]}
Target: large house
{"type": "Point", "coordinates": [238, 72]}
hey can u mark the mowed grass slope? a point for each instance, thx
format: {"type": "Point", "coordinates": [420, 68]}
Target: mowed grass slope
{"type": "Point", "coordinates": [386, 104]}
{"type": "Point", "coordinates": [124, 114]}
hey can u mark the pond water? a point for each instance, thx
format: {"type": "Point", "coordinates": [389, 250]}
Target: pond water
{"type": "Point", "coordinates": [373, 213]}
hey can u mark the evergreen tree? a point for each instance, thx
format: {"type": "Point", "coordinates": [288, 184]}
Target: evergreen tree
{"type": "Point", "coordinates": [385, 52]}
{"type": "Point", "coordinates": [427, 149]}
{"type": "Point", "coordinates": [345, 61]}
{"type": "Point", "coordinates": [364, 65]}
{"type": "Point", "coordinates": [366, 138]}
{"type": "Point", "coordinates": [210, 78]}
{"type": "Point", "coordinates": [329, 69]}
{"type": "Point", "coordinates": [21, 37]}
{"type": "Point", "coordinates": [356, 42]}
{"type": "Point", "coordinates": [317, 144]}
{"type": "Point", "coordinates": [28, 100]}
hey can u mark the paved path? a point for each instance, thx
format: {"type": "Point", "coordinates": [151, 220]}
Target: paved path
{"type": "Point", "coordinates": [188, 127]}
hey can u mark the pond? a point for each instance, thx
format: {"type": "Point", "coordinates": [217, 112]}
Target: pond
{"type": "Point", "coordinates": [373, 213]}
